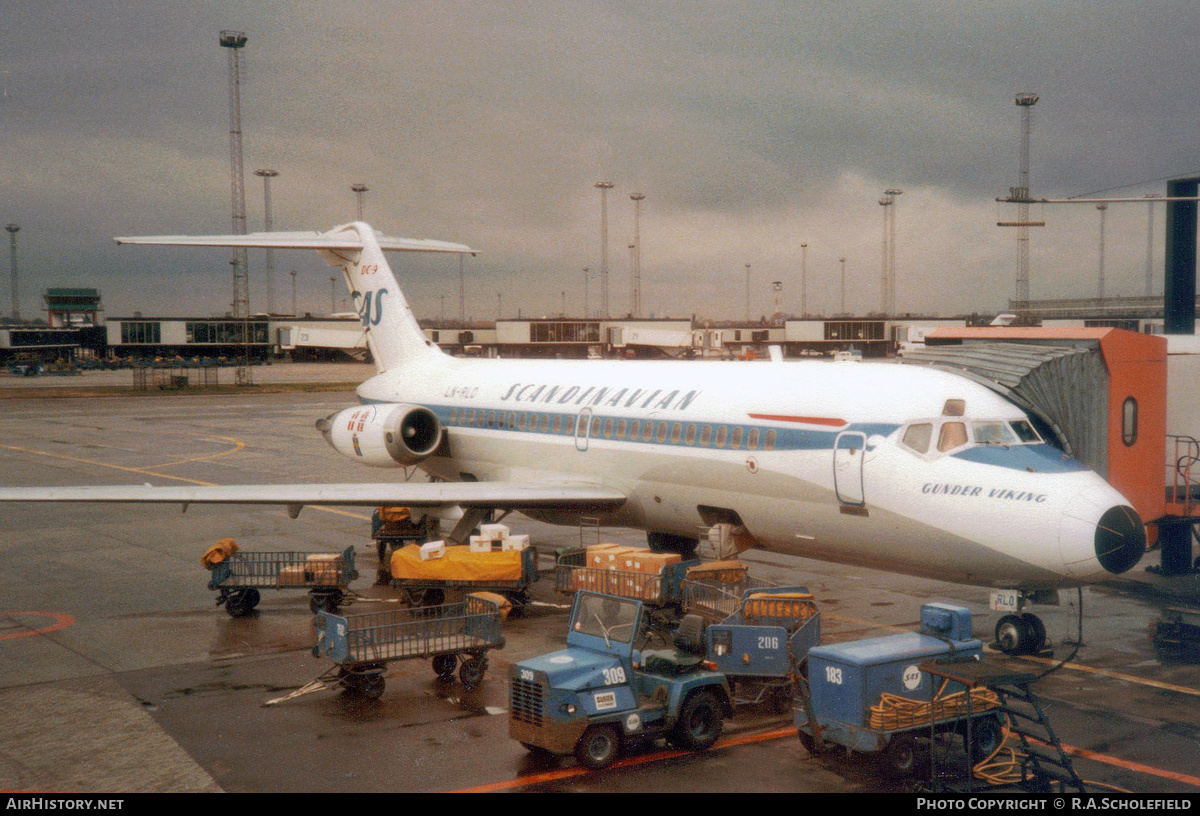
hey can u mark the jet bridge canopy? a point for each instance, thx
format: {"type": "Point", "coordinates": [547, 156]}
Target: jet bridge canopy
{"type": "Point", "coordinates": [1101, 392]}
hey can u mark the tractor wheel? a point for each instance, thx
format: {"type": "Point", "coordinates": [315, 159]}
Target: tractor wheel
{"type": "Point", "coordinates": [700, 722]}
{"type": "Point", "coordinates": [444, 666]}
{"type": "Point", "coordinates": [598, 746]}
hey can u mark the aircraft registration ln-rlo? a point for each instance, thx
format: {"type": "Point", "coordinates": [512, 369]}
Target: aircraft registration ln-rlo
{"type": "Point", "coordinates": [902, 468]}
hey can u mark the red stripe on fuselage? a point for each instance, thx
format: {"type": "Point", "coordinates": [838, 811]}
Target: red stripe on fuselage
{"type": "Point", "coordinates": [836, 423]}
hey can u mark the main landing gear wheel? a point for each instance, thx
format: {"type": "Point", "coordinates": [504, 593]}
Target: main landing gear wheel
{"type": "Point", "coordinates": [1020, 634]}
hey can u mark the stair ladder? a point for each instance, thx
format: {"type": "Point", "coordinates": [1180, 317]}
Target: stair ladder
{"type": "Point", "coordinates": [1044, 763]}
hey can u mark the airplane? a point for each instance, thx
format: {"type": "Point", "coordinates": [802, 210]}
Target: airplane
{"type": "Point", "coordinates": [900, 468]}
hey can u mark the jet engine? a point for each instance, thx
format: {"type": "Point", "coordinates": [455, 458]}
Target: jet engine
{"type": "Point", "coordinates": [384, 435]}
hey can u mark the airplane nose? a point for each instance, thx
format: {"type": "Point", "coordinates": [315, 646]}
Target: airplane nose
{"type": "Point", "coordinates": [1120, 539]}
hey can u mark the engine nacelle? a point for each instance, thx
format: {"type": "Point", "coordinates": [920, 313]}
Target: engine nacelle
{"type": "Point", "coordinates": [384, 435]}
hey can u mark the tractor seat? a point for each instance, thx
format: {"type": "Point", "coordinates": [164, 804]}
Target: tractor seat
{"type": "Point", "coordinates": [687, 655]}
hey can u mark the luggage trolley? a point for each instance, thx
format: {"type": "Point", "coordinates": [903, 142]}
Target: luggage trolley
{"type": "Point", "coordinates": [361, 645]}
{"type": "Point", "coordinates": [238, 578]}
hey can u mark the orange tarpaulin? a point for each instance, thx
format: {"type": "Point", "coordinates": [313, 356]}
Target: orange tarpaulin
{"type": "Point", "coordinates": [458, 564]}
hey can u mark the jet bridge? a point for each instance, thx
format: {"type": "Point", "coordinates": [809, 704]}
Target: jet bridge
{"type": "Point", "coordinates": [1098, 393]}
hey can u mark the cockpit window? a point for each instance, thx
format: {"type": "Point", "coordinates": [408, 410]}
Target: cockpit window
{"type": "Point", "coordinates": [1025, 432]}
{"type": "Point", "coordinates": [953, 435]}
{"type": "Point", "coordinates": [918, 436]}
{"type": "Point", "coordinates": [992, 433]}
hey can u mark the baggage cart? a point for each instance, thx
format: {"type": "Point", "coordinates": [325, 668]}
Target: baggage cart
{"type": "Point", "coordinates": [763, 645]}
{"type": "Point", "coordinates": [426, 591]}
{"type": "Point", "coordinates": [659, 592]}
{"type": "Point", "coordinates": [393, 528]}
{"type": "Point", "coordinates": [362, 645]}
{"type": "Point", "coordinates": [239, 578]}
{"type": "Point", "coordinates": [876, 697]}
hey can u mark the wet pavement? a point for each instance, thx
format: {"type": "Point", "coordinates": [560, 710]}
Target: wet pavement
{"type": "Point", "coordinates": [118, 673]}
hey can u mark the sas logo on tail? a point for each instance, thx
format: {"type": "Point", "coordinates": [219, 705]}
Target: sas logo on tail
{"type": "Point", "coordinates": [363, 303]}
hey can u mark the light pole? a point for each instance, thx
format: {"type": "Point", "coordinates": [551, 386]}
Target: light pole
{"type": "Point", "coordinates": [1103, 208]}
{"type": "Point", "coordinates": [586, 277]}
{"type": "Point", "coordinates": [637, 198]}
{"type": "Point", "coordinates": [747, 293]}
{"type": "Point", "coordinates": [13, 229]}
{"type": "Point", "coordinates": [842, 261]}
{"type": "Point", "coordinates": [359, 189]}
{"type": "Point", "coordinates": [804, 279]}
{"type": "Point", "coordinates": [604, 187]}
{"type": "Point", "coordinates": [777, 286]}
{"type": "Point", "coordinates": [890, 304]}
{"type": "Point", "coordinates": [332, 294]}
{"type": "Point", "coordinates": [266, 174]}
{"type": "Point", "coordinates": [886, 203]}
{"type": "Point", "coordinates": [293, 274]}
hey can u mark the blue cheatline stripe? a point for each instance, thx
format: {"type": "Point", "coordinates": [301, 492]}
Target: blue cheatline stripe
{"type": "Point", "coordinates": [1035, 458]}
{"type": "Point", "coordinates": [689, 434]}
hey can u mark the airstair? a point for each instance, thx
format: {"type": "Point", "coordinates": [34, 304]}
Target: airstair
{"type": "Point", "coordinates": [1037, 762]}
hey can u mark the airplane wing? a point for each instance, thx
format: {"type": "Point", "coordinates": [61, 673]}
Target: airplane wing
{"type": "Point", "coordinates": [335, 240]}
{"type": "Point", "coordinates": [488, 495]}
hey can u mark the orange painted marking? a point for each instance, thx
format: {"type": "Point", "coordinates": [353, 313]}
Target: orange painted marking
{"type": "Point", "coordinates": [830, 421]}
{"type": "Point", "coordinates": [61, 621]}
{"type": "Point", "coordinates": [567, 773]}
{"type": "Point", "coordinates": [1136, 767]}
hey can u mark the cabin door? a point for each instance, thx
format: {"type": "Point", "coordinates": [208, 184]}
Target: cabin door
{"type": "Point", "coordinates": [848, 454]}
{"type": "Point", "coordinates": [583, 425]}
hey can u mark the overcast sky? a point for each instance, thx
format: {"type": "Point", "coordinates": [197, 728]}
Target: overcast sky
{"type": "Point", "coordinates": [750, 127]}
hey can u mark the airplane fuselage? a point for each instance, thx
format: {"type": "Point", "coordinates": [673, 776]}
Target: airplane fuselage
{"type": "Point", "coordinates": [818, 459]}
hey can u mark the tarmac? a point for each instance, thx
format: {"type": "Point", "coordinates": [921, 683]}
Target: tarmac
{"type": "Point", "coordinates": [119, 674]}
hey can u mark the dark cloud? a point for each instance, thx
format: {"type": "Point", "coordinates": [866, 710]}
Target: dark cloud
{"type": "Point", "coordinates": [750, 127]}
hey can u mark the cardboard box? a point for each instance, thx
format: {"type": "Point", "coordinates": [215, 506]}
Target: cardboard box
{"type": "Point", "coordinates": [515, 542]}
{"type": "Point", "coordinates": [494, 532]}
{"type": "Point", "coordinates": [481, 544]}
{"type": "Point", "coordinates": [294, 575]}
{"type": "Point", "coordinates": [433, 549]}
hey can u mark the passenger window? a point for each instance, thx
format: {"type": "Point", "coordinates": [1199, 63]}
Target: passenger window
{"type": "Point", "coordinates": [770, 445]}
{"type": "Point", "coordinates": [557, 423]}
{"type": "Point", "coordinates": [621, 428]}
{"type": "Point", "coordinates": [953, 435]}
{"type": "Point", "coordinates": [1129, 422]}
{"type": "Point", "coordinates": [662, 432]}
{"type": "Point", "coordinates": [648, 431]}
{"type": "Point", "coordinates": [635, 428]}
{"type": "Point", "coordinates": [691, 434]}
{"type": "Point", "coordinates": [521, 422]}
{"type": "Point", "coordinates": [918, 437]}
{"type": "Point", "coordinates": [721, 436]}
{"type": "Point", "coordinates": [752, 442]}
{"type": "Point", "coordinates": [706, 435]}
{"type": "Point", "coordinates": [608, 426]}
{"type": "Point", "coordinates": [735, 440]}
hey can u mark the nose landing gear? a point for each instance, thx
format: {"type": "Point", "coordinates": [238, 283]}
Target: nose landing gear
{"type": "Point", "coordinates": [1021, 634]}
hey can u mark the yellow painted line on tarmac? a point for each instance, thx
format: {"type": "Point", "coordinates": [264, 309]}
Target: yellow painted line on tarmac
{"type": "Point", "coordinates": [1141, 681]}
{"type": "Point", "coordinates": [237, 446]}
{"type": "Point", "coordinates": [1128, 678]}
{"type": "Point", "coordinates": [147, 472]}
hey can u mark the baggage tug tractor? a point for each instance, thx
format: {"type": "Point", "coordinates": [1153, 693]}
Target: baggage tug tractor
{"type": "Point", "coordinates": [601, 693]}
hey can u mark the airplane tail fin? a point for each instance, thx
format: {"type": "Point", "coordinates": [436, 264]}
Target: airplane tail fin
{"type": "Point", "coordinates": [392, 332]}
